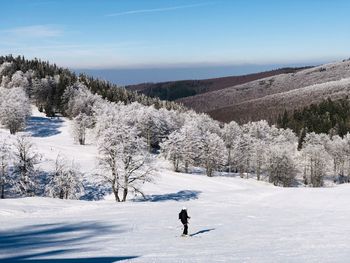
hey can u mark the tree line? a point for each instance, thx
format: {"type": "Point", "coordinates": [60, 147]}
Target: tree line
{"type": "Point", "coordinates": [329, 116]}
{"type": "Point", "coordinates": [47, 83]}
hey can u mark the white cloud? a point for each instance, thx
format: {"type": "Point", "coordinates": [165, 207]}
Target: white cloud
{"type": "Point", "coordinates": [36, 31]}
{"type": "Point", "coordinates": [163, 9]}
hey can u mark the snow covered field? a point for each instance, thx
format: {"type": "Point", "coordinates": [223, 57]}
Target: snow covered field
{"type": "Point", "coordinates": [233, 219]}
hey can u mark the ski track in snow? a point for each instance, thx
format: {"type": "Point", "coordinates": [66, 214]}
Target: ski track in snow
{"type": "Point", "coordinates": [232, 219]}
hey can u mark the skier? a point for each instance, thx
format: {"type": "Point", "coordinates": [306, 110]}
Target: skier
{"type": "Point", "coordinates": [183, 216]}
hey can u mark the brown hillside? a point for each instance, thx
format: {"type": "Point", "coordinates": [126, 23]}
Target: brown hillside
{"type": "Point", "coordinates": [262, 99]}
{"type": "Point", "coordinates": [174, 90]}
{"type": "Point", "coordinates": [269, 107]}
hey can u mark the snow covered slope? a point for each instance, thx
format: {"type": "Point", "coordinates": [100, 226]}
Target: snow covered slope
{"type": "Point", "coordinates": [239, 102]}
{"type": "Point", "coordinates": [272, 105]}
{"type": "Point", "coordinates": [233, 219]}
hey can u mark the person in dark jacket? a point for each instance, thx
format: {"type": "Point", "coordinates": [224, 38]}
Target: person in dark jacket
{"type": "Point", "coordinates": [183, 216]}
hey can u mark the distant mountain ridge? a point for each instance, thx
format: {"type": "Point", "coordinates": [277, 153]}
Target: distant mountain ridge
{"type": "Point", "coordinates": [174, 90]}
{"type": "Point", "coordinates": [266, 98]}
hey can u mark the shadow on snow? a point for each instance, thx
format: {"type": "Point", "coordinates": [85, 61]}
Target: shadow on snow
{"type": "Point", "coordinates": [184, 195]}
{"type": "Point", "coordinates": [43, 127]}
{"type": "Point", "coordinates": [68, 260]}
{"type": "Point", "coordinates": [94, 191]}
{"type": "Point", "coordinates": [28, 244]}
{"type": "Point", "coordinates": [202, 231]}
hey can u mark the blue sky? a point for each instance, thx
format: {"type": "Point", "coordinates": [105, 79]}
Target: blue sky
{"type": "Point", "coordinates": [184, 33]}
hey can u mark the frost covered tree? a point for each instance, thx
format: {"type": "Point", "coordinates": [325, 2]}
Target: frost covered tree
{"type": "Point", "coordinates": [260, 138]}
{"type": "Point", "coordinates": [281, 167]}
{"type": "Point", "coordinates": [213, 153]}
{"type": "Point", "coordinates": [315, 159]}
{"type": "Point", "coordinates": [40, 91]}
{"type": "Point", "coordinates": [80, 125]}
{"type": "Point", "coordinates": [191, 145]}
{"type": "Point", "coordinates": [25, 157]}
{"type": "Point", "coordinates": [14, 108]}
{"type": "Point", "coordinates": [5, 157]}
{"type": "Point", "coordinates": [258, 156]}
{"type": "Point", "coordinates": [123, 156]}
{"type": "Point", "coordinates": [5, 80]}
{"type": "Point", "coordinates": [173, 120]}
{"type": "Point", "coordinates": [19, 79]}
{"type": "Point", "coordinates": [152, 124]}
{"type": "Point", "coordinates": [154, 127]}
{"type": "Point", "coordinates": [81, 107]}
{"type": "Point", "coordinates": [66, 181]}
{"type": "Point", "coordinates": [243, 154]}
{"type": "Point", "coordinates": [4, 68]}
{"type": "Point", "coordinates": [230, 135]}
{"type": "Point", "coordinates": [44, 92]}
{"type": "Point", "coordinates": [172, 149]}
{"type": "Point", "coordinates": [183, 147]}
{"type": "Point", "coordinates": [196, 143]}
{"type": "Point", "coordinates": [78, 99]}
{"type": "Point", "coordinates": [336, 148]}
{"type": "Point", "coordinates": [346, 152]}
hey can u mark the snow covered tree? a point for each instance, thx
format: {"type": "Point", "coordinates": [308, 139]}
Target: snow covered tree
{"type": "Point", "coordinates": [230, 135]}
{"type": "Point", "coordinates": [123, 156]}
{"type": "Point", "coordinates": [25, 157]}
{"type": "Point", "coordinates": [213, 153]}
{"type": "Point", "coordinates": [315, 159]}
{"type": "Point", "coordinates": [81, 106]}
{"type": "Point", "coordinates": [281, 167]}
{"type": "Point", "coordinates": [40, 92]}
{"type": "Point", "coordinates": [346, 152]}
{"type": "Point", "coordinates": [44, 91]}
{"type": "Point", "coordinates": [106, 114]}
{"type": "Point", "coordinates": [173, 120]}
{"type": "Point", "coordinates": [78, 99]}
{"type": "Point", "coordinates": [66, 181]}
{"type": "Point", "coordinates": [258, 156]}
{"type": "Point", "coordinates": [183, 147]}
{"type": "Point", "coordinates": [14, 108]}
{"type": "Point", "coordinates": [260, 139]}
{"type": "Point", "coordinates": [19, 79]}
{"type": "Point", "coordinates": [243, 154]}
{"type": "Point", "coordinates": [4, 68]}
{"type": "Point", "coordinates": [152, 125]}
{"type": "Point", "coordinates": [336, 148]}
{"type": "Point", "coordinates": [5, 157]}
{"type": "Point", "coordinates": [5, 80]}
{"type": "Point", "coordinates": [203, 123]}
{"type": "Point", "coordinates": [80, 125]}
{"type": "Point", "coordinates": [172, 149]}
{"type": "Point", "coordinates": [191, 145]}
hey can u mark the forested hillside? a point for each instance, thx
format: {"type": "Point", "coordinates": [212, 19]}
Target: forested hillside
{"type": "Point", "coordinates": [174, 90]}
{"type": "Point", "coordinates": [266, 98]}
{"type": "Point", "coordinates": [332, 117]}
{"type": "Point", "coordinates": [48, 82]}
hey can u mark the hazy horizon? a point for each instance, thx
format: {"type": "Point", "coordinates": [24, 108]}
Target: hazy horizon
{"type": "Point", "coordinates": [131, 76]}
